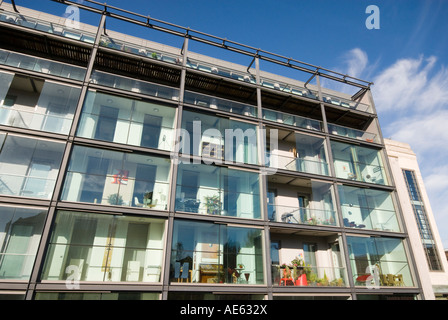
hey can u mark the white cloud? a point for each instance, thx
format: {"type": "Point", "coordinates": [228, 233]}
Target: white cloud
{"type": "Point", "coordinates": [411, 98]}
{"type": "Point", "coordinates": [409, 85]}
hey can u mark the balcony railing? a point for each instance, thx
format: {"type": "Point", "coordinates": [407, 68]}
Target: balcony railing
{"type": "Point", "coordinates": [296, 164]}
{"type": "Point", "coordinates": [139, 50]}
{"type": "Point", "coordinates": [59, 69]}
{"type": "Point", "coordinates": [48, 27]}
{"type": "Point", "coordinates": [346, 103]}
{"type": "Point", "coordinates": [359, 171]}
{"type": "Point", "coordinates": [220, 104]}
{"type": "Point", "coordinates": [292, 120]}
{"type": "Point", "coordinates": [287, 88]}
{"type": "Point", "coordinates": [367, 218]}
{"type": "Point", "coordinates": [221, 71]}
{"type": "Point", "coordinates": [308, 276]}
{"type": "Point", "coordinates": [137, 86]}
{"type": "Point", "coordinates": [352, 133]}
{"type": "Point", "coordinates": [298, 215]}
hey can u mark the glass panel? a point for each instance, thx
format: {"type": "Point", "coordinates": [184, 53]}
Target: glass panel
{"type": "Point", "coordinates": [116, 178]}
{"type": "Point", "coordinates": [219, 138]}
{"type": "Point", "coordinates": [207, 189]}
{"type": "Point", "coordinates": [29, 167]}
{"type": "Point", "coordinates": [292, 120]}
{"type": "Point", "coordinates": [299, 152]}
{"type": "Point", "coordinates": [105, 248]}
{"type": "Point", "coordinates": [220, 104]}
{"type": "Point", "coordinates": [41, 105]}
{"type": "Point", "coordinates": [358, 163]}
{"type": "Point", "coordinates": [211, 253]}
{"type": "Point", "coordinates": [301, 201]}
{"type": "Point", "coordinates": [137, 86]}
{"type": "Point", "coordinates": [20, 232]}
{"type": "Point", "coordinates": [368, 208]}
{"type": "Point", "coordinates": [379, 262]}
{"type": "Point", "coordinates": [350, 104]}
{"type": "Point", "coordinates": [352, 133]}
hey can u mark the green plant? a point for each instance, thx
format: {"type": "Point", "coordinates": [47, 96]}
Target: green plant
{"type": "Point", "coordinates": [115, 199]}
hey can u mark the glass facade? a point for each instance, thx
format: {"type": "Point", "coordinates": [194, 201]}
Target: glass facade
{"type": "Point", "coordinates": [20, 233]}
{"type": "Point", "coordinates": [379, 261]}
{"type": "Point", "coordinates": [33, 103]}
{"type": "Point", "coordinates": [368, 209]}
{"type": "Point", "coordinates": [216, 254]}
{"type": "Point", "coordinates": [219, 138]}
{"type": "Point", "coordinates": [358, 163]}
{"type": "Point", "coordinates": [28, 166]}
{"type": "Point", "coordinates": [212, 190]}
{"type": "Point", "coordinates": [115, 178]}
{"type": "Point", "coordinates": [149, 179]}
{"type": "Point", "coordinates": [129, 121]}
{"type": "Point", "coordinates": [95, 247]}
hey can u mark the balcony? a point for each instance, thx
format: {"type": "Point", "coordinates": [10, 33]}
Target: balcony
{"type": "Point", "coordinates": [292, 120]}
{"type": "Point", "coordinates": [352, 133]}
{"type": "Point", "coordinates": [346, 103]}
{"type": "Point", "coordinates": [305, 260]}
{"type": "Point", "coordinates": [300, 201]}
{"type": "Point", "coordinates": [296, 152]}
{"type": "Point", "coordinates": [203, 100]}
{"type": "Point", "coordinates": [47, 27]}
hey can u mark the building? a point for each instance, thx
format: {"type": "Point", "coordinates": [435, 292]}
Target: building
{"type": "Point", "coordinates": [130, 169]}
{"type": "Point", "coordinates": [419, 219]}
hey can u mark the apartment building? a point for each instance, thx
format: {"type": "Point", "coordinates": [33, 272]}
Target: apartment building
{"type": "Point", "coordinates": [133, 169]}
{"type": "Point", "coordinates": [419, 219]}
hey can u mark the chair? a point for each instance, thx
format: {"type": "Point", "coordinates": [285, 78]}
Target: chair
{"type": "Point", "coordinates": [137, 203]}
{"type": "Point", "coordinates": [286, 279]}
{"type": "Point", "coordinates": [185, 271]}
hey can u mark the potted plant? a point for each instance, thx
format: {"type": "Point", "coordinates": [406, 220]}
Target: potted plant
{"type": "Point", "coordinates": [213, 204]}
{"type": "Point", "coordinates": [115, 199]}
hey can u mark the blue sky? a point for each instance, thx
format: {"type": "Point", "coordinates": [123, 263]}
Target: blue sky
{"type": "Point", "coordinates": [407, 58]}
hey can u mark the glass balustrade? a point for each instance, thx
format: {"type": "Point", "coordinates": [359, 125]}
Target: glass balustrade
{"type": "Point", "coordinates": [346, 103]}
{"type": "Point", "coordinates": [292, 120]}
{"type": "Point", "coordinates": [298, 215]}
{"type": "Point", "coordinates": [308, 276]}
{"type": "Point", "coordinates": [220, 104]}
{"type": "Point", "coordinates": [44, 66]}
{"type": "Point", "coordinates": [274, 160]}
{"type": "Point", "coordinates": [47, 27]}
{"type": "Point", "coordinates": [352, 133]}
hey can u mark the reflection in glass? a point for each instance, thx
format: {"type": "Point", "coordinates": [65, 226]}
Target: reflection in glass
{"type": "Point", "coordinates": [215, 190]}
{"type": "Point", "coordinates": [117, 178]}
{"type": "Point", "coordinates": [358, 163]}
{"type": "Point", "coordinates": [368, 208]}
{"type": "Point", "coordinates": [213, 253]}
{"type": "Point", "coordinates": [128, 121]}
{"type": "Point", "coordinates": [36, 104]}
{"type": "Point", "coordinates": [95, 247]}
{"type": "Point", "coordinates": [379, 261]}
{"type": "Point", "coordinates": [219, 138]}
{"type": "Point", "coordinates": [29, 167]}
{"type": "Point", "coordinates": [20, 232]}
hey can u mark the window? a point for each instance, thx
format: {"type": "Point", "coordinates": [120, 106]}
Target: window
{"type": "Point", "coordinates": [208, 189]}
{"type": "Point", "coordinates": [20, 233]}
{"type": "Point", "coordinates": [29, 167]}
{"type": "Point", "coordinates": [128, 121]}
{"type": "Point", "coordinates": [368, 208]}
{"type": "Point", "coordinates": [379, 261]}
{"type": "Point", "coordinates": [358, 163]}
{"type": "Point", "coordinates": [105, 248]}
{"type": "Point", "coordinates": [423, 224]}
{"type": "Point", "coordinates": [215, 253]}
{"type": "Point", "coordinates": [117, 178]}
{"type": "Point", "coordinates": [219, 138]}
{"type": "Point", "coordinates": [32, 103]}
